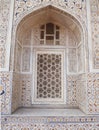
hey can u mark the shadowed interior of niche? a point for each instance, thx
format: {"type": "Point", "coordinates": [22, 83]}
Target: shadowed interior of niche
{"type": "Point", "coordinates": [48, 60]}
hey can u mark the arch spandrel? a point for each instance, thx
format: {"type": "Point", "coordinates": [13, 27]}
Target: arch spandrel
{"type": "Point", "coordinates": [77, 7]}
{"type": "Point", "coordinates": [31, 8]}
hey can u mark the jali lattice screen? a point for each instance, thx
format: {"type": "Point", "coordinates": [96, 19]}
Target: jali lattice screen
{"type": "Point", "coordinates": [49, 76]}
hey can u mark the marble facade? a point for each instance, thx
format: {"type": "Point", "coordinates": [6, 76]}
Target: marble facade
{"type": "Point", "coordinates": [82, 66]}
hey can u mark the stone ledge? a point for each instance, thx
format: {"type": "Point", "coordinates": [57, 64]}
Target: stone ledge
{"type": "Point", "coordinates": [27, 115]}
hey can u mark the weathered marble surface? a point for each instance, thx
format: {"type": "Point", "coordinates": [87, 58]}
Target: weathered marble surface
{"type": "Point", "coordinates": [82, 89]}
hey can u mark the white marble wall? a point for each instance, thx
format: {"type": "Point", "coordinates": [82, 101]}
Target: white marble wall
{"type": "Point", "coordinates": [81, 10]}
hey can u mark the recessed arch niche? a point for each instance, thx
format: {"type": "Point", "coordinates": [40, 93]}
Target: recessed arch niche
{"type": "Point", "coordinates": [28, 47]}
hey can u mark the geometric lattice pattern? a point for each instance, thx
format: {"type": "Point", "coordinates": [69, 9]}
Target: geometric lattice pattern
{"type": "Point", "coordinates": [48, 76]}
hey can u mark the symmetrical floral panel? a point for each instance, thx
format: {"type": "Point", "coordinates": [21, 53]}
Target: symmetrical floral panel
{"type": "Point", "coordinates": [95, 32]}
{"type": "Point", "coordinates": [81, 93]}
{"type": "Point", "coordinates": [15, 91]}
{"type": "Point", "coordinates": [5, 98]}
{"type": "Point", "coordinates": [25, 90]}
{"type": "Point", "coordinates": [72, 91]}
{"type": "Point", "coordinates": [4, 16]}
{"type": "Point", "coordinates": [93, 92]}
{"type": "Point", "coordinates": [75, 6]}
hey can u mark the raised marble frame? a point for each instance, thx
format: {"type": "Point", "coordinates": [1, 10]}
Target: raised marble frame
{"type": "Point", "coordinates": [63, 76]}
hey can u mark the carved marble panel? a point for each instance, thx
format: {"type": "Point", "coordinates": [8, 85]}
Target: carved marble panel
{"type": "Point", "coordinates": [4, 16]}
{"type": "Point", "coordinates": [81, 92]}
{"type": "Point", "coordinates": [18, 58]}
{"type": "Point", "coordinates": [77, 6]}
{"type": "Point", "coordinates": [5, 98]}
{"type": "Point", "coordinates": [93, 93]}
{"type": "Point", "coordinates": [36, 35]}
{"type": "Point", "coordinates": [26, 39]}
{"type": "Point", "coordinates": [26, 90]}
{"type": "Point", "coordinates": [80, 58]}
{"type": "Point", "coordinates": [72, 60]}
{"type": "Point", "coordinates": [26, 59]}
{"type": "Point", "coordinates": [15, 99]}
{"type": "Point", "coordinates": [95, 33]}
{"type": "Point", "coordinates": [72, 91]}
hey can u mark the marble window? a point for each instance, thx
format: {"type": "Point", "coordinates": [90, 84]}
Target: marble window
{"type": "Point", "coordinates": [49, 34]}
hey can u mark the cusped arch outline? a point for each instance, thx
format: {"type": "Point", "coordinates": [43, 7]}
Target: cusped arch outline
{"type": "Point", "coordinates": [65, 11]}
{"type": "Point", "coordinates": [33, 11]}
